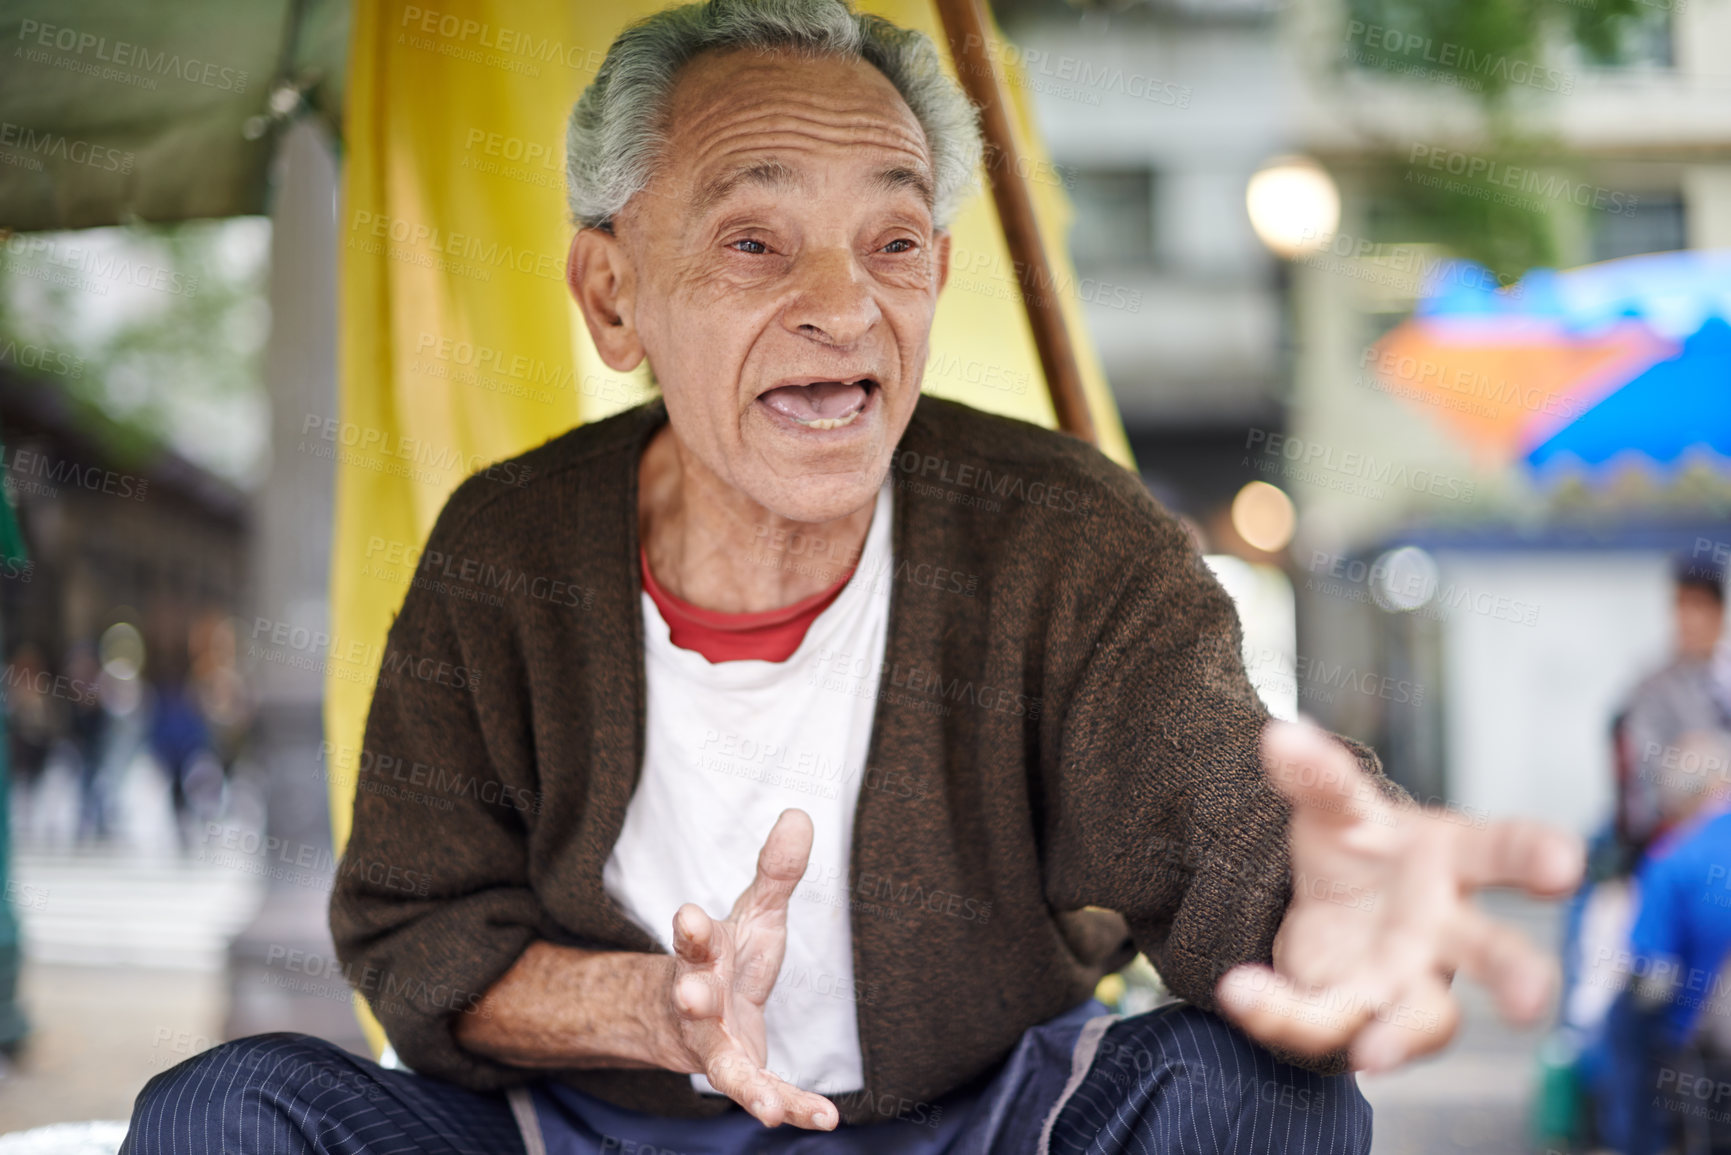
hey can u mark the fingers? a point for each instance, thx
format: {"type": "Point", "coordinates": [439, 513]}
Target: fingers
{"type": "Point", "coordinates": [780, 864]}
{"type": "Point", "coordinates": [1317, 774]}
{"type": "Point", "coordinates": [1518, 974]}
{"type": "Point", "coordinates": [1280, 1013]}
{"type": "Point", "coordinates": [1421, 1021]}
{"type": "Point", "coordinates": [693, 935]}
{"type": "Point", "coordinates": [770, 1100]}
{"type": "Point", "coordinates": [1539, 859]}
{"type": "Point", "coordinates": [787, 849]}
{"type": "Point", "coordinates": [1381, 1028]}
{"type": "Point", "coordinates": [699, 995]}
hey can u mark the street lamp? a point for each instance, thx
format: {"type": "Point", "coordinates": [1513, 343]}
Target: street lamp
{"type": "Point", "coordinates": [1294, 205]}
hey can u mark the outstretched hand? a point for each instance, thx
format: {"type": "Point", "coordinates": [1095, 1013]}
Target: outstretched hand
{"type": "Point", "coordinates": [724, 971]}
{"type": "Point", "coordinates": [1382, 914]}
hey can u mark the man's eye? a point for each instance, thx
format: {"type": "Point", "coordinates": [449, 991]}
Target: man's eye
{"type": "Point", "coordinates": [755, 248]}
{"type": "Point", "coordinates": [907, 246]}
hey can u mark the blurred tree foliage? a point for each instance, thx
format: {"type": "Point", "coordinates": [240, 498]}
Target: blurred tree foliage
{"type": "Point", "coordinates": [1493, 47]}
{"type": "Point", "coordinates": [1470, 215]}
{"type": "Point", "coordinates": [1510, 202]}
{"type": "Point", "coordinates": [155, 332]}
{"type": "Point", "coordinates": [1515, 200]}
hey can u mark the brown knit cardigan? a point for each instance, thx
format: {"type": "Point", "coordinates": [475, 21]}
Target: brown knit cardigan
{"type": "Point", "coordinates": [1063, 723]}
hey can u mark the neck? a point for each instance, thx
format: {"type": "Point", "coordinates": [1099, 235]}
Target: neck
{"type": "Point", "coordinates": [710, 544]}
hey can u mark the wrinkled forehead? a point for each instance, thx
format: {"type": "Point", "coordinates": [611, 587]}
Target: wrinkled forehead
{"type": "Point", "coordinates": [742, 119]}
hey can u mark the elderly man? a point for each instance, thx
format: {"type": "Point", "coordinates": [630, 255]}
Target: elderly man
{"type": "Point", "coordinates": [819, 838]}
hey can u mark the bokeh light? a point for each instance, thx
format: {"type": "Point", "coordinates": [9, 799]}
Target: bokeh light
{"type": "Point", "coordinates": [1294, 205]}
{"type": "Point", "coordinates": [1263, 516]}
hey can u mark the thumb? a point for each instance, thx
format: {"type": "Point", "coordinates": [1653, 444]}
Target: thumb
{"type": "Point", "coordinates": [1317, 774]}
{"type": "Point", "coordinates": [780, 865]}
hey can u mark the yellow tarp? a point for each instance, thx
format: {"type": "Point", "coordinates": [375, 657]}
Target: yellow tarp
{"type": "Point", "coordinates": [460, 345]}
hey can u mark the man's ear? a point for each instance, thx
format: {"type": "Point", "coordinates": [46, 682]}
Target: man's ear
{"type": "Point", "coordinates": [601, 279]}
{"type": "Point", "coordinates": [943, 240]}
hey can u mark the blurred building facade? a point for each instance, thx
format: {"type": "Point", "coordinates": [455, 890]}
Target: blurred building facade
{"type": "Point", "coordinates": [1158, 115]}
{"type": "Point", "coordinates": [152, 535]}
{"type": "Point", "coordinates": [1552, 595]}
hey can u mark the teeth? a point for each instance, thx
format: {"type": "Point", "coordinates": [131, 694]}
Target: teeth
{"type": "Point", "coordinates": [832, 422]}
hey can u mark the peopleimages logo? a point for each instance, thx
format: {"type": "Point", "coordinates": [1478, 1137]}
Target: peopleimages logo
{"type": "Point", "coordinates": [500, 42]}
{"type": "Point", "coordinates": [132, 63]}
{"type": "Point", "coordinates": [1498, 394]}
{"type": "Point", "coordinates": [56, 146]}
{"type": "Point", "coordinates": [1457, 59]}
{"type": "Point", "coordinates": [1352, 579]}
{"type": "Point", "coordinates": [1038, 69]}
{"type": "Point", "coordinates": [1407, 268]}
{"type": "Point", "coordinates": [90, 268]}
{"type": "Point", "coordinates": [40, 358]}
{"type": "Point", "coordinates": [1541, 186]}
{"type": "Point", "coordinates": [1315, 462]}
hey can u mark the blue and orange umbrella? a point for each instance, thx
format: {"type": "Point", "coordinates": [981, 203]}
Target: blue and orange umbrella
{"type": "Point", "coordinates": [1627, 360]}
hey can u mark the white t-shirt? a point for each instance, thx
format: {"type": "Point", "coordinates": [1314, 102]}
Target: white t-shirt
{"type": "Point", "coordinates": [728, 747]}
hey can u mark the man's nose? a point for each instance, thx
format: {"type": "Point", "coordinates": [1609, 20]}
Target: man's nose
{"type": "Point", "coordinates": [833, 301]}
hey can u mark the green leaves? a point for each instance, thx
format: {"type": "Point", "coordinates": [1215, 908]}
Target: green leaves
{"type": "Point", "coordinates": [1515, 199]}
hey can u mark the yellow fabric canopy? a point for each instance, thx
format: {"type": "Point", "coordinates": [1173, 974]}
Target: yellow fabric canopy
{"type": "Point", "coordinates": [460, 344]}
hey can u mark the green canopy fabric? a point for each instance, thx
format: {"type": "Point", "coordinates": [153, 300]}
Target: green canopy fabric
{"type": "Point", "coordinates": [114, 111]}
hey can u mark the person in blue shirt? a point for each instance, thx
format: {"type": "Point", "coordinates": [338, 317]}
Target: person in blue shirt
{"type": "Point", "coordinates": [1673, 1022]}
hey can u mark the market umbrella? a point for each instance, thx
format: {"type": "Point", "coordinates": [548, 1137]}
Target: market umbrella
{"type": "Point", "coordinates": [1569, 371]}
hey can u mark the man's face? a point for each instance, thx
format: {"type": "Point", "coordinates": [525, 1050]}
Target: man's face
{"type": "Point", "coordinates": [784, 269]}
{"type": "Point", "coordinates": [1700, 618]}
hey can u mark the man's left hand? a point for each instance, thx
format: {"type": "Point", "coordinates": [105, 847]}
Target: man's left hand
{"type": "Point", "coordinates": [1382, 914]}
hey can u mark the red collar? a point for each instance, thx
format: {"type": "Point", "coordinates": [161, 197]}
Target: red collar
{"type": "Point", "coordinates": [768, 636]}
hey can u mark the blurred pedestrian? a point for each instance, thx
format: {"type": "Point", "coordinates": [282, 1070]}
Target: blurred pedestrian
{"type": "Point", "coordinates": [1682, 698]}
{"type": "Point", "coordinates": [180, 740]}
{"type": "Point", "coordinates": [31, 718]}
{"type": "Point", "coordinates": [1670, 1026]}
{"type": "Point", "coordinates": [88, 732]}
{"type": "Point", "coordinates": [218, 686]}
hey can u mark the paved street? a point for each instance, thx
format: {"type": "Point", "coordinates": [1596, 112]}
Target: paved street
{"type": "Point", "coordinates": [123, 976]}
{"type": "Point", "coordinates": [1475, 1097]}
{"type": "Point", "coordinates": [98, 1033]}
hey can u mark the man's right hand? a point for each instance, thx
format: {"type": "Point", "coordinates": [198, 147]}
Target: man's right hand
{"type": "Point", "coordinates": [723, 973]}
{"type": "Point", "coordinates": [697, 1012]}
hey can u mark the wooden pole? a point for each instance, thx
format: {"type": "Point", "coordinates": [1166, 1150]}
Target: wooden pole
{"type": "Point", "coordinates": [970, 47]}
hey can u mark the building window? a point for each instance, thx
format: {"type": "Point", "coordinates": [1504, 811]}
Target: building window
{"type": "Point", "coordinates": [1114, 216]}
{"type": "Point", "coordinates": [1655, 225]}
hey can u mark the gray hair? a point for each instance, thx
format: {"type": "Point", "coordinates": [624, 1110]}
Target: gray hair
{"type": "Point", "coordinates": [618, 125]}
{"type": "Point", "coordinates": [1699, 774]}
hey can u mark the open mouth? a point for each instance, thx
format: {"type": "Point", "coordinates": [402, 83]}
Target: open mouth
{"type": "Point", "coordinates": [821, 404]}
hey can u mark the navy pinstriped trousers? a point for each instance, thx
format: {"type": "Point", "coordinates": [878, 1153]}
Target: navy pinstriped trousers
{"type": "Point", "coordinates": [1175, 1081]}
{"type": "Point", "coordinates": [1180, 1081]}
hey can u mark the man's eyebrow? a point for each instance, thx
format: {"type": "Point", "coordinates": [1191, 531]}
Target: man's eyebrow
{"type": "Point", "coordinates": [773, 174]}
{"type": "Point", "coordinates": [770, 174]}
{"type": "Point", "coordinates": [892, 179]}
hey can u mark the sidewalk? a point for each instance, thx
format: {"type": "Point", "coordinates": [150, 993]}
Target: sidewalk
{"type": "Point", "coordinates": [123, 975]}
{"type": "Point", "coordinates": [98, 1033]}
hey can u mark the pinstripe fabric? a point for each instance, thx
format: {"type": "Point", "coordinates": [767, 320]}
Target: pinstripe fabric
{"type": "Point", "coordinates": [1180, 1081]}
{"type": "Point", "coordinates": [295, 1095]}
{"type": "Point", "coordinates": [1175, 1081]}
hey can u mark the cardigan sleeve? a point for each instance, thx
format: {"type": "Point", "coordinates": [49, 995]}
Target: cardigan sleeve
{"type": "Point", "coordinates": [432, 902]}
{"type": "Point", "coordinates": [1159, 809]}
